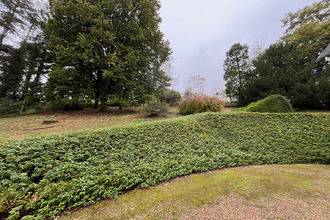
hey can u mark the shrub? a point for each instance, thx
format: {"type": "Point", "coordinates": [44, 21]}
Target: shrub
{"type": "Point", "coordinates": [66, 105]}
{"type": "Point", "coordinates": [200, 103]}
{"type": "Point", "coordinates": [115, 101]}
{"type": "Point", "coordinates": [9, 106]}
{"type": "Point", "coordinates": [171, 97]}
{"type": "Point", "coordinates": [272, 104]}
{"type": "Point", "coordinates": [49, 174]}
{"type": "Point", "coordinates": [154, 107]}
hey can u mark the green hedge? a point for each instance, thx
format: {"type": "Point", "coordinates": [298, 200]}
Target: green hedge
{"type": "Point", "coordinates": [44, 176]}
{"type": "Point", "coordinates": [271, 104]}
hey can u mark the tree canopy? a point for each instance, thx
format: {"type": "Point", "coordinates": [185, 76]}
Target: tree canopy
{"type": "Point", "coordinates": [287, 67]}
{"type": "Point", "coordinates": [236, 71]}
{"type": "Point", "coordinates": [106, 48]}
{"type": "Point", "coordinates": [309, 27]}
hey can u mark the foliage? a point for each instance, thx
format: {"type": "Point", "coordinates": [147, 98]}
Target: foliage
{"type": "Point", "coordinates": [236, 72]}
{"type": "Point", "coordinates": [11, 73]}
{"type": "Point", "coordinates": [271, 104]}
{"type": "Point", "coordinates": [171, 97]}
{"type": "Point", "coordinates": [287, 67]}
{"type": "Point", "coordinates": [14, 14]}
{"type": "Point", "coordinates": [106, 48]}
{"type": "Point", "coordinates": [9, 106]}
{"type": "Point", "coordinates": [290, 71]}
{"type": "Point", "coordinates": [200, 103]}
{"type": "Point", "coordinates": [309, 27]}
{"type": "Point", "coordinates": [22, 74]}
{"type": "Point", "coordinates": [12, 107]}
{"type": "Point", "coordinates": [154, 107]}
{"type": "Point", "coordinates": [46, 175]}
{"type": "Point", "coordinates": [22, 66]}
{"type": "Point", "coordinates": [117, 102]}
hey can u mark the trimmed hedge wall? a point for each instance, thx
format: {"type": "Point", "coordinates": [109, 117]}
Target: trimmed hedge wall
{"type": "Point", "coordinates": [43, 176]}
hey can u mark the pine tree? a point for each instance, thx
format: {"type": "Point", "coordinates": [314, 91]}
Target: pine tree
{"type": "Point", "coordinates": [236, 72]}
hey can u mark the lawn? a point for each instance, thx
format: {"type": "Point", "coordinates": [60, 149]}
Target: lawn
{"type": "Point", "coordinates": [26, 126]}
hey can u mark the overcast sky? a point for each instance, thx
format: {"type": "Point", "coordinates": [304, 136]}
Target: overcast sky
{"type": "Point", "coordinates": [202, 31]}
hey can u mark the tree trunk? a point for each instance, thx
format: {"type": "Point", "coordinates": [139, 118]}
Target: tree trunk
{"type": "Point", "coordinates": [96, 103]}
{"type": "Point", "coordinates": [104, 93]}
{"type": "Point", "coordinates": [103, 105]}
{"type": "Point", "coordinates": [98, 87]}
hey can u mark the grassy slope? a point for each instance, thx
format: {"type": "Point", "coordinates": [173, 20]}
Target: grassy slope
{"type": "Point", "coordinates": [27, 126]}
{"type": "Point", "coordinates": [77, 169]}
{"type": "Point", "coordinates": [257, 186]}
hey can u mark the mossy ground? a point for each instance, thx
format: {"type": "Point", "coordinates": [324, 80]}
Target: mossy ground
{"type": "Point", "coordinates": [181, 195]}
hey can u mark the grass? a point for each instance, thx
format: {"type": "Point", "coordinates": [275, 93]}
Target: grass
{"type": "Point", "coordinates": [185, 194]}
{"type": "Point", "coordinates": [27, 126]}
{"type": "Point", "coordinates": [76, 169]}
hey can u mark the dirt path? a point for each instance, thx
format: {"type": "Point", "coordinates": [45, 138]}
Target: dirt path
{"type": "Point", "coordinates": [253, 192]}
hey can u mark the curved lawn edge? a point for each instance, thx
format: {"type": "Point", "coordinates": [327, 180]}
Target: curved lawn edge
{"type": "Point", "coordinates": [58, 172]}
{"type": "Point", "coordinates": [224, 194]}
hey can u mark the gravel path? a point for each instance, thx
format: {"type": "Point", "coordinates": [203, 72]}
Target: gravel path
{"type": "Point", "coordinates": [234, 207]}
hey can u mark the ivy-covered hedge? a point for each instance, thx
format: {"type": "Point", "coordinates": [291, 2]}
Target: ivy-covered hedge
{"type": "Point", "coordinates": [43, 176]}
{"type": "Point", "coordinates": [272, 104]}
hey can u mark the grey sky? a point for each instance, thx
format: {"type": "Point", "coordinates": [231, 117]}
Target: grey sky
{"type": "Point", "coordinates": [201, 31]}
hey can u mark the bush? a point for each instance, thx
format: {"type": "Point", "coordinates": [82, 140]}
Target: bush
{"type": "Point", "coordinates": [46, 175]}
{"type": "Point", "coordinates": [66, 105]}
{"type": "Point", "coordinates": [272, 104]}
{"type": "Point", "coordinates": [9, 106]}
{"type": "Point", "coordinates": [171, 97]}
{"type": "Point", "coordinates": [200, 103]}
{"type": "Point", "coordinates": [115, 101]}
{"type": "Point", "coordinates": [154, 107]}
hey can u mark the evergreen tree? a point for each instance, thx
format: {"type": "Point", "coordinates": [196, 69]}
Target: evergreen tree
{"type": "Point", "coordinates": [11, 73]}
{"type": "Point", "coordinates": [106, 48]}
{"type": "Point", "coordinates": [37, 60]}
{"type": "Point", "coordinates": [290, 71]}
{"type": "Point", "coordinates": [236, 72]}
{"type": "Point", "coordinates": [23, 62]}
{"type": "Point", "coordinates": [288, 67]}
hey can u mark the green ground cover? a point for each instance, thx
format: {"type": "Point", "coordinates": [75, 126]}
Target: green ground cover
{"type": "Point", "coordinates": [44, 176]}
